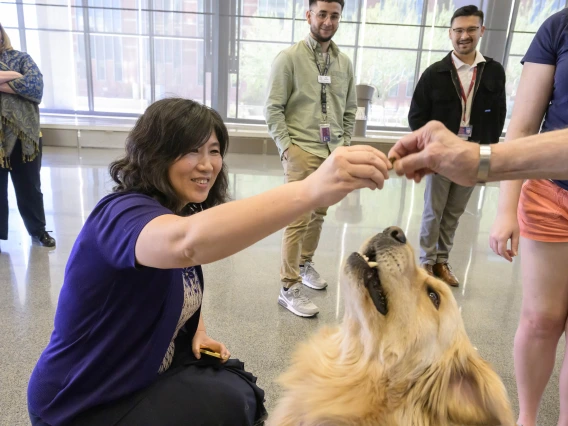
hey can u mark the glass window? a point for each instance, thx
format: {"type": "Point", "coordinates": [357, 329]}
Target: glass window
{"type": "Point", "coordinates": [388, 71]}
{"type": "Point", "coordinates": [255, 60]}
{"type": "Point", "coordinates": [410, 87]}
{"type": "Point", "coordinates": [130, 93]}
{"type": "Point", "coordinates": [178, 73]}
{"type": "Point", "coordinates": [63, 69]}
{"type": "Point", "coordinates": [531, 15]}
{"type": "Point", "coordinates": [390, 43]}
{"type": "Point", "coordinates": [9, 17]}
{"type": "Point", "coordinates": [280, 8]}
{"type": "Point", "coordinates": [263, 29]}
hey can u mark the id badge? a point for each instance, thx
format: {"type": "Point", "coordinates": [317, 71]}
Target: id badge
{"type": "Point", "coordinates": [465, 132]}
{"type": "Point", "coordinates": [325, 133]}
{"type": "Point", "coordinates": [324, 79]}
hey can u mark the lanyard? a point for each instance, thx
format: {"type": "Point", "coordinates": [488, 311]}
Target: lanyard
{"type": "Point", "coordinates": [462, 91]}
{"type": "Point", "coordinates": [323, 89]}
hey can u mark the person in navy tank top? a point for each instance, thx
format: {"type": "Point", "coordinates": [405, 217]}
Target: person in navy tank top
{"type": "Point", "coordinates": [536, 213]}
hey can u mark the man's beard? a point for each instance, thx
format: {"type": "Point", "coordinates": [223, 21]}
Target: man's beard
{"type": "Point", "coordinates": [319, 38]}
{"type": "Point", "coordinates": [471, 48]}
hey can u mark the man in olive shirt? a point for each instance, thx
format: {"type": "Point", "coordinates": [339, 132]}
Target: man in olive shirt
{"type": "Point", "coordinates": [310, 111]}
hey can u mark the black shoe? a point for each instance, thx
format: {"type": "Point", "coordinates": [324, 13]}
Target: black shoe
{"type": "Point", "coordinates": [44, 239]}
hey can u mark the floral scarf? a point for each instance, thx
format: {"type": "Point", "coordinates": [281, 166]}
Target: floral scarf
{"type": "Point", "coordinates": [19, 114]}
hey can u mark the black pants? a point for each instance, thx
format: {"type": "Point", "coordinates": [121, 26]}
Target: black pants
{"type": "Point", "coordinates": [27, 186]}
{"type": "Point", "coordinates": [194, 393]}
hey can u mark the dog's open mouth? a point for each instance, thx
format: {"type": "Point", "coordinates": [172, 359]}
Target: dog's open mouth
{"type": "Point", "coordinates": [368, 274]}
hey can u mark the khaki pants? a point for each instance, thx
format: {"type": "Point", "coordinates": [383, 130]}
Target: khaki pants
{"type": "Point", "coordinates": [301, 237]}
{"type": "Point", "coordinates": [444, 203]}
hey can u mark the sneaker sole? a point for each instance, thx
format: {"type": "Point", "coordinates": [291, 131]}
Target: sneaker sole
{"type": "Point", "coordinates": [285, 304]}
{"type": "Point", "coordinates": [307, 284]}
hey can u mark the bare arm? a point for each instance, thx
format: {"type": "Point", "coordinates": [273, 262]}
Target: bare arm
{"type": "Point", "coordinates": [6, 76]}
{"type": "Point", "coordinates": [172, 242]}
{"type": "Point", "coordinates": [543, 156]}
{"type": "Point", "coordinates": [5, 87]}
{"type": "Point", "coordinates": [434, 149]}
{"type": "Point", "coordinates": [533, 97]}
{"type": "Point", "coordinates": [531, 101]}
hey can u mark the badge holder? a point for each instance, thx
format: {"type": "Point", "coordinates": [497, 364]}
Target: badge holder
{"type": "Point", "coordinates": [465, 132]}
{"type": "Point", "coordinates": [325, 133]}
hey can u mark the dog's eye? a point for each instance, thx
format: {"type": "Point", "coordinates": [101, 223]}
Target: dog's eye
{"type": "Point", "coordinates": [434, 297]}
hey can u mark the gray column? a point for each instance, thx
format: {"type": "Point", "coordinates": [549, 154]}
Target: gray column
{"type": "Point", "coordinates": [223, 33]}
{"type": "Point", "coordinates": [497, 23]}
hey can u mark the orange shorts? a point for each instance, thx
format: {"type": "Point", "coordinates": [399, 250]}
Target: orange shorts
{"type": "Point", "coordinates": [543, 212]}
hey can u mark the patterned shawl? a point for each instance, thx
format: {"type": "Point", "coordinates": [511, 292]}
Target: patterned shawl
{"type": "Point", "coordinates": [19, 114]}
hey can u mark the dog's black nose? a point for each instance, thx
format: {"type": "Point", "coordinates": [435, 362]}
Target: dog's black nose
{"type": "Point", "coordinates": [396, 233]}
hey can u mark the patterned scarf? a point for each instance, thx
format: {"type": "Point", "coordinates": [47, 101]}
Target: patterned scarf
{"type": "Point", "coordinates": [19, 114]}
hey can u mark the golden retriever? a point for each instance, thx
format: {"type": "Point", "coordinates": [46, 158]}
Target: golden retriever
{"type": "Point", "coordinates": [401, 356]}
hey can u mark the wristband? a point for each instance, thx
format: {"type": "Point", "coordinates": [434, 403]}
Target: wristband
{"type": "Point", "coordinates": [484, 162]}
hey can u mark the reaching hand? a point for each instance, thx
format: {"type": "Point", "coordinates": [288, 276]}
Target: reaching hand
{"type": "Point", "coordinates": [346, 169]}
{"type": "Point", "coordinates": [434, 149]}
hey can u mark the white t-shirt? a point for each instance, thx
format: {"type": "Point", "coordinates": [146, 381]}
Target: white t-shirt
{"type": "Point", "coordinates": [465, 73]}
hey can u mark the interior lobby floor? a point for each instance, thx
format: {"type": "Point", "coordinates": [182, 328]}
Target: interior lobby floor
{"type": "Point", "coordinates": [240, 301]}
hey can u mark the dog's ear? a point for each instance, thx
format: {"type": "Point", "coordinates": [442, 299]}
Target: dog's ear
{"type": "Point", "coordinates": [476, 395]}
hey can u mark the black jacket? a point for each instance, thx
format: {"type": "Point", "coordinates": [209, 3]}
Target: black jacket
{"type": "Point", "coordinates": [437, 98]}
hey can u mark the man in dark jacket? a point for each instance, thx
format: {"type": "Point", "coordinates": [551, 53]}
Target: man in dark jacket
{"type": "Point", "coordinates": [466, 92]}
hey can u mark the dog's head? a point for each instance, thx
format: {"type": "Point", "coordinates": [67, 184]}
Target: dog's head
{"type": "Point", "coordinates": [410, 322]}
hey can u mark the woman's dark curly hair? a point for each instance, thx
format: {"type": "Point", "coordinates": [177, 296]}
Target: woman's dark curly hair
{"type": "Point", "coordinates": [169, 129]}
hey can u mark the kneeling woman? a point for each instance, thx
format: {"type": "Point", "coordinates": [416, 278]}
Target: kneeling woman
{"type": "Point", "coordinates": [128, 326]}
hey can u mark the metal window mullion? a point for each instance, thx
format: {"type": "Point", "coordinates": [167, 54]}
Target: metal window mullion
{"type": "Point", "coordinates": [357, 39]}
{"type": "Point", "coordinates": [21, 25]}
{"type": "Point", "coordinates": [294, 21]}
{"type": "Point", "coordinates": [216, 22]}
{"type": "Point", "coordinates": [151, 51]}
{"type": "Point", "coordinates": [206, 46]}
{"type": "Point", "coordinates": [236, 52]}
{"type": "Point", "coordinates": [420, 42]}
{"type": "Point", "coordinates": [515, 5]}
{"type": "Point", "coordinates": [88, 58]}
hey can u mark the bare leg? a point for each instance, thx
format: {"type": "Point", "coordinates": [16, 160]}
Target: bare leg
{"type": "Point", "coordinates": [543, 318]}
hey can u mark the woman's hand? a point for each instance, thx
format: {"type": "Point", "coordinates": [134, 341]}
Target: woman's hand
{"type": "Point", "coordinates": [434, 149]}
{"type": "Point", "coordinates": [346, 169]}
{"type": "Point", "coordinates": [202, 340]}
{"type": "Point", "coordinates": [505, 228]}
{"type": "Point", "coordinates": [6, 76]}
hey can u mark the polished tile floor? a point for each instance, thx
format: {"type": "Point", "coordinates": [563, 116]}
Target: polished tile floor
{"type": "Point", "coordinates": [240, 306]}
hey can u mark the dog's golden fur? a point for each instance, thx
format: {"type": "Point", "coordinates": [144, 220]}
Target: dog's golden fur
{"type": "Point", "coordinates": [414, 366]}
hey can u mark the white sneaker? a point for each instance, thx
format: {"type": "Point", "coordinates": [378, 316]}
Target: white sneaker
{"type": "Point", "coordinates": [293, 300]}
{"type": "Point", "coordinates": [311, 278]}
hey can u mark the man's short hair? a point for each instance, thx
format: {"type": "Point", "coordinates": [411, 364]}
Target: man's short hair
{"type": "Point", "coordinates": [470, 10]}
{"type": "Point", "coordinates": [341, 2]}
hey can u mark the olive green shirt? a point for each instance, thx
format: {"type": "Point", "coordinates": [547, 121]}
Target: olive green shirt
{"type": "Point", "coordinates": [293, 106]}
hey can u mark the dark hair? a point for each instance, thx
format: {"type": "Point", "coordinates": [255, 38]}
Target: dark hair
{"type": "Point", "coordinates": [470, 10]}
{"type": "Point", "coordinates": [341, 2]}
{"type": "Point", "coordinates": [169, 129]}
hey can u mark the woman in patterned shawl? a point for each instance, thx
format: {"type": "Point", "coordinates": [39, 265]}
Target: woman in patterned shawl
{"type": "Point", "coordinates": [21, 89]}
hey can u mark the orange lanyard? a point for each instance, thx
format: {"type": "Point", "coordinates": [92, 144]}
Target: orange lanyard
{"type": "Point", "coordinates": [471, 85]}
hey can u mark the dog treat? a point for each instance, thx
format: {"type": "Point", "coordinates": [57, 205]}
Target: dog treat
{"type": "Point", "coordinates": [392, 160]}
